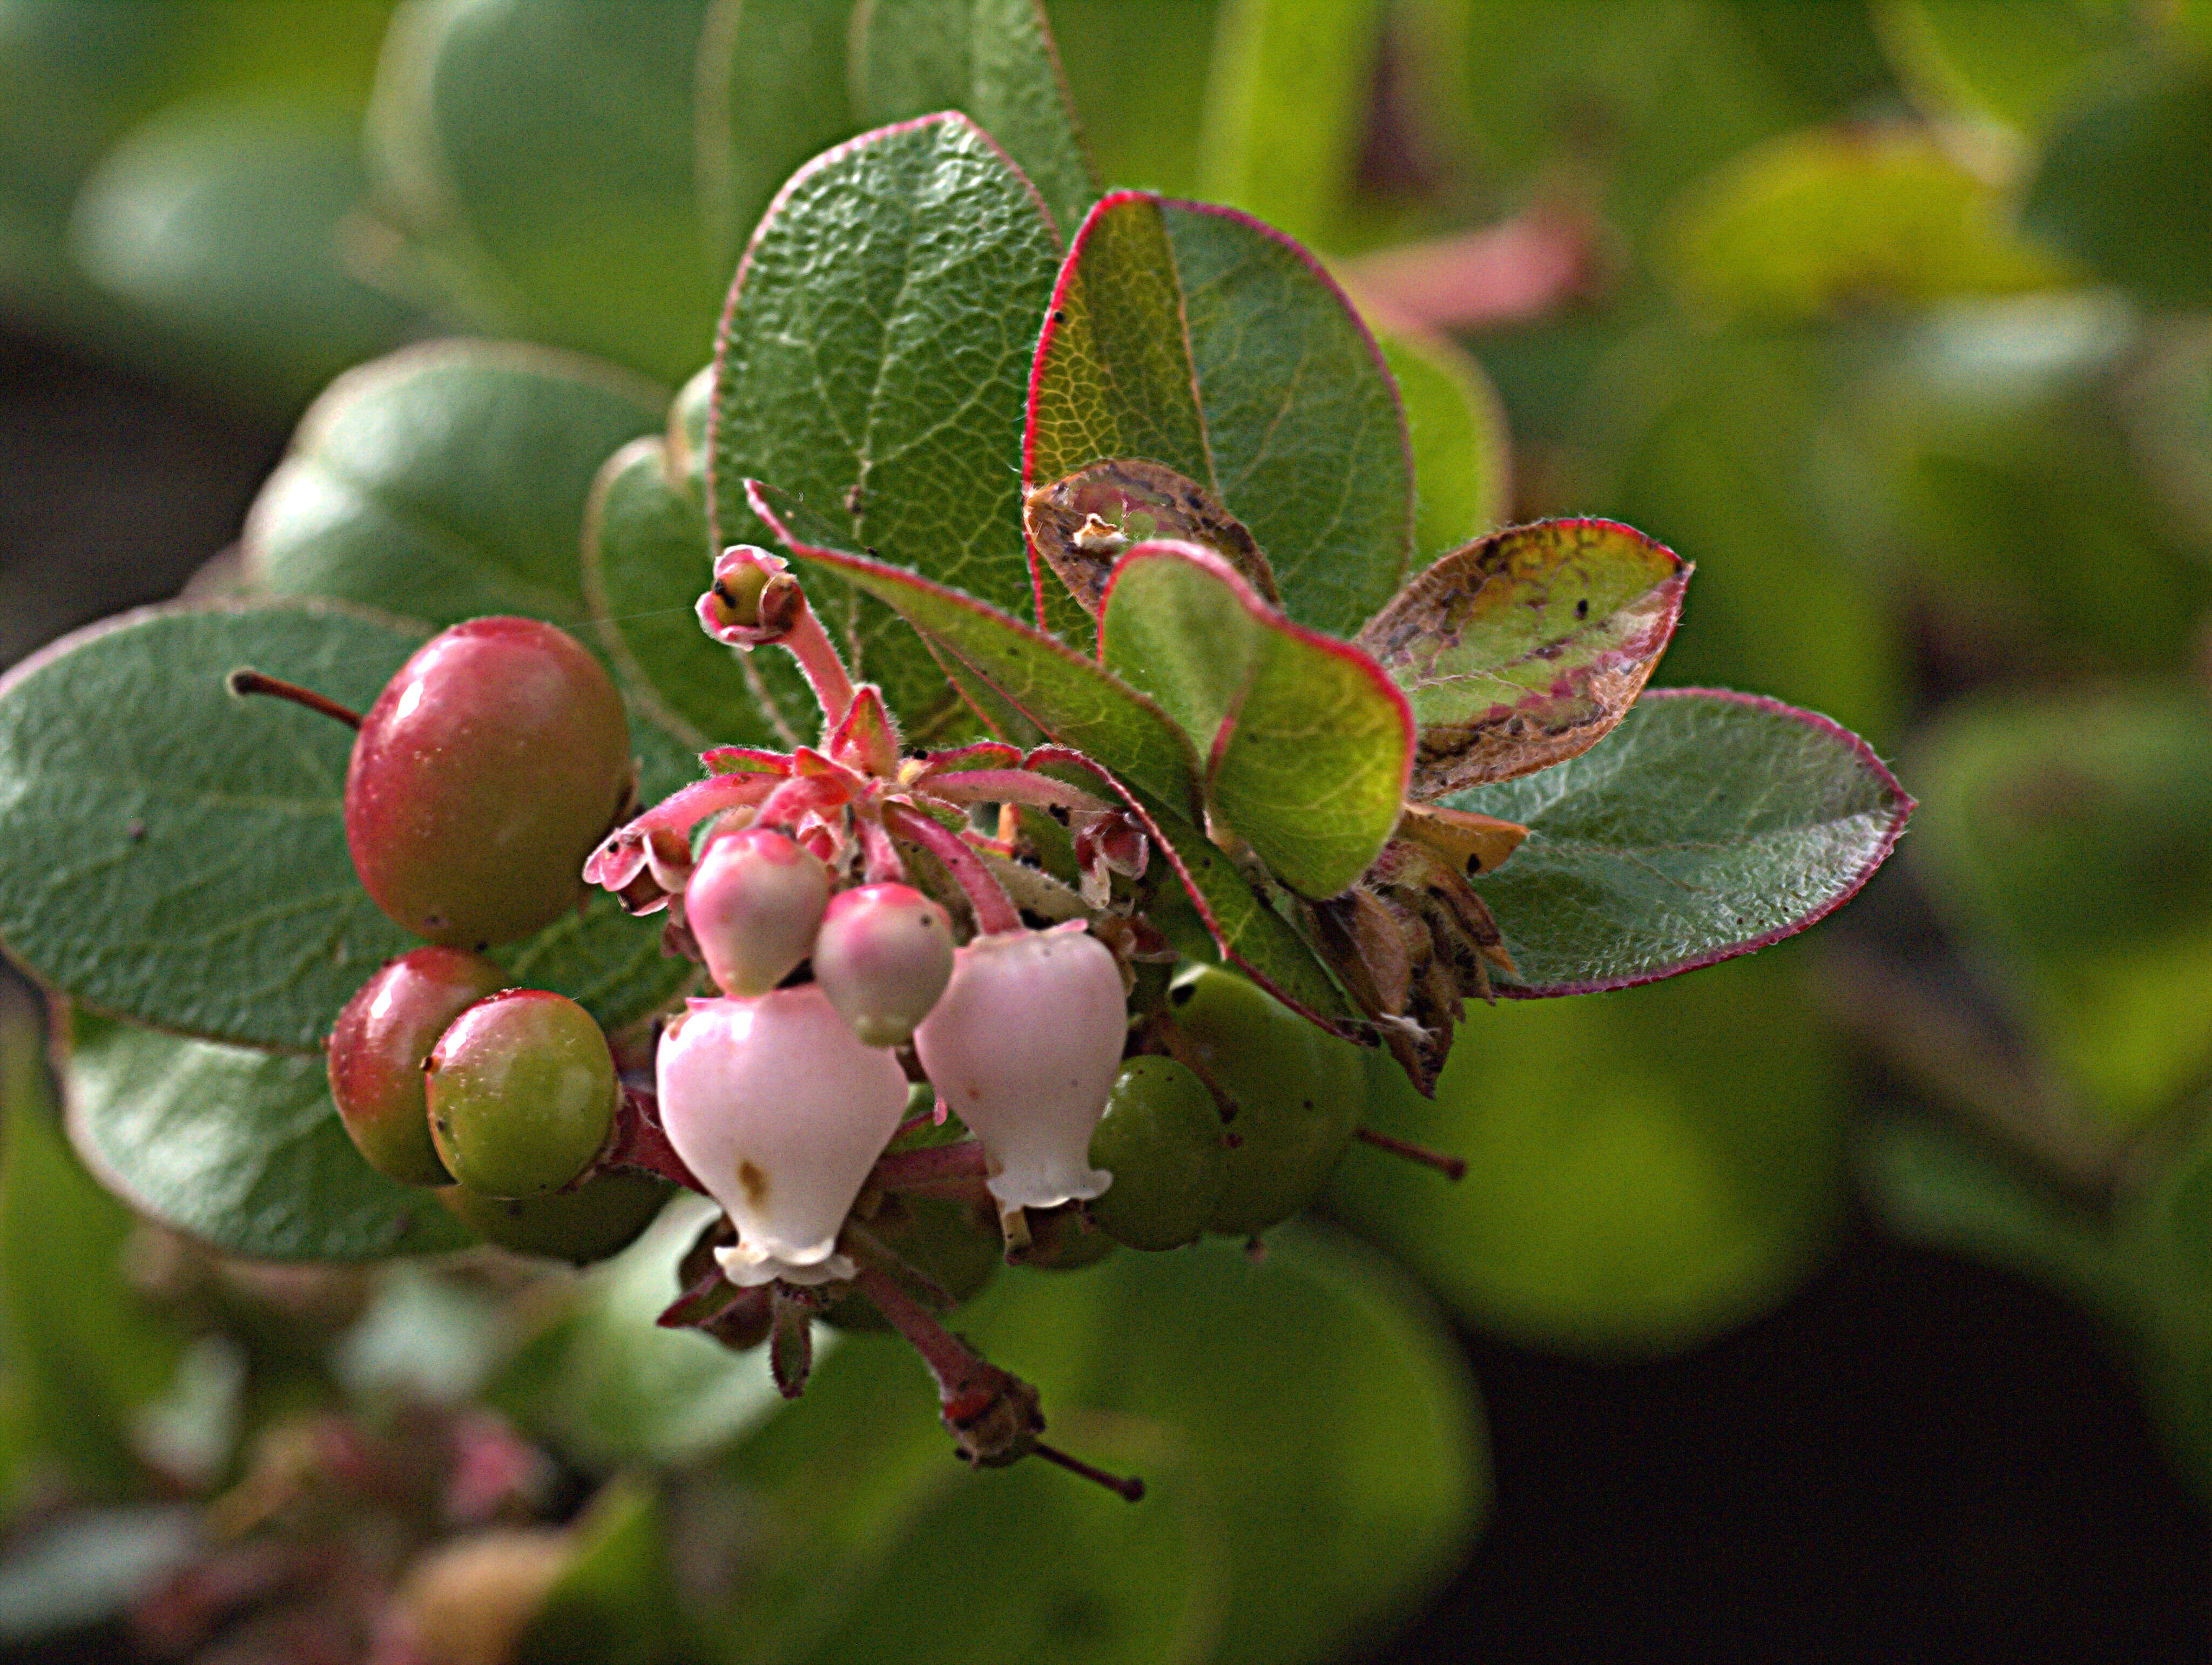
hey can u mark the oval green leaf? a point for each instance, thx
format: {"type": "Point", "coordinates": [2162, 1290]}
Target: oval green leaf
{"type": "Point", "coordinates": [589, 172]}
{"type": "Point", "coordinates": [1709, 825]}
{"type": "Point", "coordinates": [993, 60]}
{"type": "Point", "coordinates": [1196, 337]}
{"type": "Point", "coordinates": [447, 482]}
{"type": "Point", "coordinates": [239, 1147]}
{"type": "Point", "coordinates": [1308, 745]}
{"type": "Point", "coordinates": [1163, 1365]}
{"type": "Point", "coordinates": [873, 364]}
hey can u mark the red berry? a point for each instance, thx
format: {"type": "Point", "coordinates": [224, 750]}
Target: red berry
{"type": "Point", "coordinates": [379, 1045]}
{"type": "Point", "coordinates": [483, 775]}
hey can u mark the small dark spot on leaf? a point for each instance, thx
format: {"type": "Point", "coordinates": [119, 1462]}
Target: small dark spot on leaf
{"type": "Point", "coordinates": [1059, 315]}
{"type": "Point", "coordinates": [1581, 608]}
{"type": "Point", "coordinates": [870, 553]}
{"type": "Point", "coordinates": [136, 831]}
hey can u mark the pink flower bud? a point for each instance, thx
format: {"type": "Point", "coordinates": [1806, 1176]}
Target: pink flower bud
{"type": "Point", "coordinates": [780, 1113]}
{"type": "Point", "coordinates": [1024, 1047]}
{"type": "Point", "coordinates": [754, 903]}
{"type": "Point", "coordinates": [883, 956]}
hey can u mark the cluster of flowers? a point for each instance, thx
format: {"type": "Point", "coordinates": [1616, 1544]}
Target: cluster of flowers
{"type": "Point", "coordinates": [780, 1099]}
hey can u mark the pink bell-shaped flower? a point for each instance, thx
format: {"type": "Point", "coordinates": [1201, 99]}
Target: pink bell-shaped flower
{"type": "Point", "coordinates": [780, 1113]}
{"type": "Point", "coordinates": [1024, 1045]}
{"type": "Point", "coordinates": [754, 902]}
{"type": "Point", "coordinates": [884, 955]}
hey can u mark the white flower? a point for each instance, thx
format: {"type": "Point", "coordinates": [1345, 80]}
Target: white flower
{"type": "Point", "coordinates": [780, 1113]}
{"type": "Point", "coordinates": [1024, 1045]}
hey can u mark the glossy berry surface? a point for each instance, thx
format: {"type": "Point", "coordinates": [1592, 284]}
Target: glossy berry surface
{"type": "Point", "coordinates": [481, 779]}
{"type": "Point", "coordinates": [379, 1045]}
{"type": "Point", "coordinates": [522, 1094]}
{"type": "Point", "coordinates": [599, 1218]}
{"type": "Point", "coordinates": [1161, 1139]}
{"type": "Point", "coordinates": [883, 956]}
{"type": "Point", "coordinates": [1298, 1094]}
{"type": "Point", "coordinates": [754, 903]}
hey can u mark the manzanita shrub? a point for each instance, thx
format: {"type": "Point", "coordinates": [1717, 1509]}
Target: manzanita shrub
{"type": "Point", "coordinates": [1070, 729]}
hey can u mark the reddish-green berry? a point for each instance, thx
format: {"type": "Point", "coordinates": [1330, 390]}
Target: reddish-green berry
{"type": "Point", "coordinates": [1298, 1094]}
{"type": "Point", "coordinates": [522, 1094]}
{"type": "Point", "coordinates": [482, 778]}
{"type": "Point", "coordinates": [379, 1045]}
{"type": "Point", "coordinates": [603, 1216]}
{"type": "Point", "coordinates": [1161, 1139]}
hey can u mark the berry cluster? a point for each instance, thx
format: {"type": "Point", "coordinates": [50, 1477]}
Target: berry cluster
{"type": "Point", "coordinates": [880, 934]}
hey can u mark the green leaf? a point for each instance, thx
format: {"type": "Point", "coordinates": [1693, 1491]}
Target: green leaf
{"type": "Point", "coordinates": [240, 1148]}
{"type": "Point", "coordinates": [1308, 745]}
{"type": "Point", "coordinates": [1462, 449]}
{"type": "Point", "coordinates": [2022, 63]}
{"type": "Point", "coordinates": [1286, 110]}
{"type": "Point", "coordinates": [221, 221]}
{"type": "Point", "coordinates": [447, 482]}
{"type": "Point", "coordinates": [1820, 223]}
{"type": "Point", "coordinates": [83, 1350]}
{"type": "Point", "coordinates": [1524, 648]}
{"type": "Point", "coordinates": [1708, 825]}
{"type": "Point", "coordinates": [1069, 696]}
{"type": "Point", "coordinates": [1243, 924]}
{"type": "Point", "coordinates": [2123, 188]}
{"type": "Point", "coordinates": [873, 364]}
{"type": "Point", "coordinates": [1644, 1171]}
{"type": "Point", "coordinates": [2064, 843]}
{"type": "Point", "coordinates": [646, 556]}
{"type": "Point", "coordinates": [176, 855]}
{"type": "Point", "coordinates": [1196, 337]}
{"type": "Point", "coordinates": [591, 171]}
{"type": "Point", "coordinates": [1161, 1364]}
{"type": "Point", "coordinates": [993, 59]}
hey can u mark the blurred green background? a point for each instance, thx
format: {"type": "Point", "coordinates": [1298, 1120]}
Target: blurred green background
{"type": "Point", "coordinates": [1856, 1297]}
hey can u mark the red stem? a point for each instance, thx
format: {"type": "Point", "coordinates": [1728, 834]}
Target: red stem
{"type": "Point", "coordinates": [994, 913]}
{"type": "Point", "coordinates": [244, 680]}
{"type": "Point", "coordinates": [1452, 1167]}
{"type": "Point", "coordinates": [825, 672]}
{"type": "Point", "coordinates": [947, 1356]}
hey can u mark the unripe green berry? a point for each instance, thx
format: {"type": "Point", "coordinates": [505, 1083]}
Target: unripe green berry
{"type": "Point", "coordinates": [1298, 1094]}
{"type": "Point", "coordinates": [483, 775]}
{"type": "Point", "coordinates": [522, 1094]}
{"type": "Point", "coordinates": [378, 1048]}
{"type": "Point", "coordinates": [599, 1218]}
{"type": "Point", "coordinates": [1161, 1139]}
